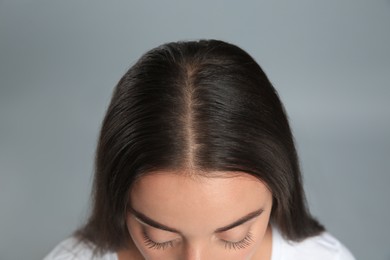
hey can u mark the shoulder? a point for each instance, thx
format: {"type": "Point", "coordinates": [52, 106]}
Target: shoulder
{"type": "Point", "coordinates": [321, 247]}
{"type": "Point", "coordinates": [73, 249]}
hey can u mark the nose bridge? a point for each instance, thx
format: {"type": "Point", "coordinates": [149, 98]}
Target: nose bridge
{"type": "Point", "coordinates": [195, 251]}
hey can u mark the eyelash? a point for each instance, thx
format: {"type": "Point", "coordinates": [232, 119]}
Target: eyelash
{"type": "Point", "coordinates": [155, 245]}
{"type": "Point", "coordinates": [245, 242]}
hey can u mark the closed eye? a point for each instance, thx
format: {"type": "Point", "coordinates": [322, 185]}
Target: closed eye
{"type": "Point", "coordinates": [244, 243]}
{"type": "Point", "coordinates": [156, 245]}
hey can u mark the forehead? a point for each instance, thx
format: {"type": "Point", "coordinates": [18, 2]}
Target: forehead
{"type": "Point", "coordinates": [170, 197]}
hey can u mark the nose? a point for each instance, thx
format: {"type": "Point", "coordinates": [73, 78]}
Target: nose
{"type": "Point", "coordinates": [195, 252]}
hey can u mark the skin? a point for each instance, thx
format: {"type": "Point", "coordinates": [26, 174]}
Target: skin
{"type": "Point", "coordinates": [196, 207]}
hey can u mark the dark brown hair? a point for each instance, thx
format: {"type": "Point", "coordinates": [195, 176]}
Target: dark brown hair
{"type": "Point", "coordinates": [203, 104]}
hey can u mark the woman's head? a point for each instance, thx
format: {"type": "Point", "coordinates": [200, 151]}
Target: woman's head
{"type": "Point", "coordinates": [197, 110]}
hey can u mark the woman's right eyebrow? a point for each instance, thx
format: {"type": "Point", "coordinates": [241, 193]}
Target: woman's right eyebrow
{"type": "Point", "coordinates": [148, 221]}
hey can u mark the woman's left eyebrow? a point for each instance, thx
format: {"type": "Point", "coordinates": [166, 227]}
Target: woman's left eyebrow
{"type": "Point", "coordinates": [240, 221]}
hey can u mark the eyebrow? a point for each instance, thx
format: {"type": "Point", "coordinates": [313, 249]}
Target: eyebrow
{"type": "Point", "coordinates": [240, 221]}
{"type": "Point", "coordinates": [148, 221]}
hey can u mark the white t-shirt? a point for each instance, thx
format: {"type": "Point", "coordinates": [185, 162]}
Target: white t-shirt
{"type": "Point", "coordinates": [322, 247]}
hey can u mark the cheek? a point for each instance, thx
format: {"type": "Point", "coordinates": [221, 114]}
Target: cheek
{"type": "Point", "coordinates": [247, 254]}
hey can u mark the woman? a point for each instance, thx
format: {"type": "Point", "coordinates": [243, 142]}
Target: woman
{"type": "Point", "coordinates": [196, 160]}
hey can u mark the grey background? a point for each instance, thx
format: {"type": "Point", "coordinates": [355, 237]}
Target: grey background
{"type": "Point", "coordinates": [59, 61]}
